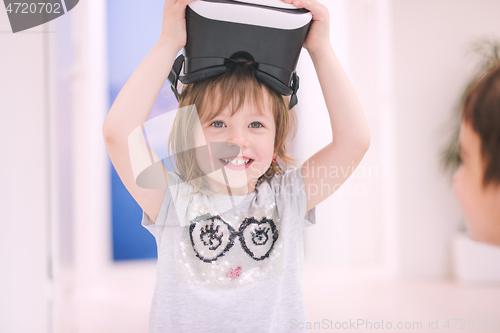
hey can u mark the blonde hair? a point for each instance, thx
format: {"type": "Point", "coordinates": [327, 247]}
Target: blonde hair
{"type": "Point", "coordinates": [212, 96]}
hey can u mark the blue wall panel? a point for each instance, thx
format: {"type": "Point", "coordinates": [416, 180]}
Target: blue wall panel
{"type": "Point", "coordinates": [133, 29]}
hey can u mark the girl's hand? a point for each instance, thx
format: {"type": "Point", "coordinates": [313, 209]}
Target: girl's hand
{"type": "Point", "coordinates": [319, 34]}
{"type": "Point", "coordinates": [173, 29]}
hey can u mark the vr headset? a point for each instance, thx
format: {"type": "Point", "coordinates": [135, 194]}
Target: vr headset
{"type": "Point", "coordinates": [268, 32]}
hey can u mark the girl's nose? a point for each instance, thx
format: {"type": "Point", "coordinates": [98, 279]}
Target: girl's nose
{"type": "Point", "coordinates": [239, 137]}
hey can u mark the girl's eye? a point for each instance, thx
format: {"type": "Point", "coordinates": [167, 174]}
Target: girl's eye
{"type": "Point", "coordinates": [256, 124]}
{"type": "Point", "coordinates": [217, 124]}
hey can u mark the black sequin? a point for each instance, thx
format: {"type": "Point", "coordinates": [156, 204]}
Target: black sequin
{"type": "Point", "coordinates": [212, 237]}
{"type": "Point", "coordinates": [255, 237]}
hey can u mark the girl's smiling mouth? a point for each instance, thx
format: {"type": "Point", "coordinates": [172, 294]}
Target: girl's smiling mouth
{"type": "Point", "coordinates": [236, 162]}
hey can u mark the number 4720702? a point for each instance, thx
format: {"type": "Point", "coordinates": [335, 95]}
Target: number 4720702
{"type": "Point", "coordinates": [472, 324]}
{"type": "Point", "coordinates": [41, 7]}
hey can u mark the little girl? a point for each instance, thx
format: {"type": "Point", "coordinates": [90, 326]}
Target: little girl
{"type": "Point", "coordinates": [229, 227]}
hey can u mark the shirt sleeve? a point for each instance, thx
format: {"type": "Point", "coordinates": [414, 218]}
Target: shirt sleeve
{"type": "Point", "coordinates": [173, 207]}
{"type": "Point", "coordinates": [291, 190]}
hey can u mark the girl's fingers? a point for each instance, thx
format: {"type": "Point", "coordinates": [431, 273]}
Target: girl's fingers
{"type": "Point", "coordinates": [318, 10]}
{"type": "Point", "coordinates": [185, 2]}
{"type": "Point", "coordinates": [311, 5]}
{"type": "Point", "coordinates": [176, 3]}
{"type": "Point", "coordinates": [318, 35]}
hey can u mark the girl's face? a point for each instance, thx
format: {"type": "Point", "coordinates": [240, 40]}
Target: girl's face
{"type": "Point", "coordinates": [241, 148]}
{"type": "Point", "coordinates": [481, 206]}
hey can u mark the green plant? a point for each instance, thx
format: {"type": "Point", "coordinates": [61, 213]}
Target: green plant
{"type": "Point", "coordinates": [488, 51]}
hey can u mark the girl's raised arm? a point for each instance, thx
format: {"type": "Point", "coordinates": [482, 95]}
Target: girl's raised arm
{"type": "Point", "coordinates": [350, 132]}
{"type": "Point", "coordinates": [134, 102]}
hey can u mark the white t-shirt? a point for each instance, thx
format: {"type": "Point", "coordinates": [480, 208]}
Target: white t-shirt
{"type": "Point", "coordinates": [230, 265]}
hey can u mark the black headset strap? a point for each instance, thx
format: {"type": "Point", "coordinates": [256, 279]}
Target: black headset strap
{"type": "Point", "coordinates": [295, 86]}
{"type": "Point", "coordinates": [173, 77]}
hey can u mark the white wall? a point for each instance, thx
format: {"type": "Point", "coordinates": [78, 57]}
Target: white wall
{"type": "Point", "coordinates": [54, 194]}
{"type": "Point", "coordinates": [408, 62]}
{"type": "Point", "coordinates": [25, 179]}
{"type": "Point", "coordinates": [431, 69]}
{"type": "Point", "coordinates": [83, 279]}
{"type": "Point", "coordinates": [351, 223]}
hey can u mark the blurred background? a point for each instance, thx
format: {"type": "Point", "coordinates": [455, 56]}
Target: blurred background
{"type": "Point", "coordinates": [389, 246]}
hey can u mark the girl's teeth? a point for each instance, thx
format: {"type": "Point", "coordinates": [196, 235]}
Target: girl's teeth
{"type": "Point", "coordinates": [235, 162]}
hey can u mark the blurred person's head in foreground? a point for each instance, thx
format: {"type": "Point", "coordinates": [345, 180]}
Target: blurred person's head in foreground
{"type": "Point", "coordinates": [477, 182]}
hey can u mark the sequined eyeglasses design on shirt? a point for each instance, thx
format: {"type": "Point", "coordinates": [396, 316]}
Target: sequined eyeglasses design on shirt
{"type": "Point", "coordinates": [212, 237]}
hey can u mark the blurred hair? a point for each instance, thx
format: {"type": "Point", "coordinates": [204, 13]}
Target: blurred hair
{"type": "Point", "coordinates": [481, 109]}
{"type": "Point", "coordinates": [232, 89]}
